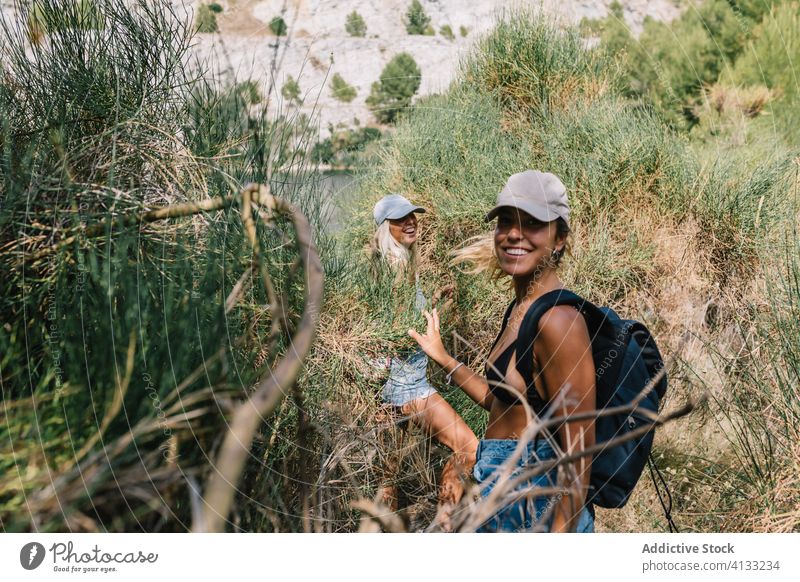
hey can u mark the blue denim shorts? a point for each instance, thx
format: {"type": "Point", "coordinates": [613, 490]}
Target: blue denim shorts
{"type": "Point", "coordinates": [523, 514]}
{"type": "Point", "coordinates": [408, 379]}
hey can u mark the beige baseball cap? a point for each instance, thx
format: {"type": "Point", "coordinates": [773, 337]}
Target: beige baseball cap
{"type": "Point", "coordinates": [540, 194]}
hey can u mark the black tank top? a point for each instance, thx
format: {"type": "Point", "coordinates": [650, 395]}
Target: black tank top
{"type": "Point", "coordinates": [501, 364]}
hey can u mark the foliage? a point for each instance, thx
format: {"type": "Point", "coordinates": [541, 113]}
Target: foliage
{"type": "Point", "coordinates": [278, 26]}
{"type": "Point", "coordinates": [341, 90]}
{"type": "Point", "coordinates": [291, 89]}
{"type": "Point", "coordinates": [106, 411]}
{"type": "Point", "coordinates": [671, 63]}
{"type": "Point", "coordinates": [249, 91]}
{"type": "Point", "coordinates": [416, 19]}
{"type": "Point", "coordinates": [532, 66]}
{"type": "Point", "coordinates": [447, 32]}
{"type": "Point", "coordinates": [399, 82]}
{"type": "Point", "coordinates": [355, 25]}
{"type": "Point", "coordinates": [771, 60]}
{"type": "Point", "coordinates": [42, 19]}
{"type": "Point", "coordinates": [340, 147]}
{"type": "Point", "coordinates": [206, 19]}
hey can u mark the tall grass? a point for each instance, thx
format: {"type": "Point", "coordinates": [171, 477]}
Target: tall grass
{"type": "Point", "coordinates": [532, 65]}
{"type": "Point", "coordinates": [119, 358]}
{"type": "Point", "coordinates": [645, 208]}
{"type": "Point", "coordinates": [119, 361]}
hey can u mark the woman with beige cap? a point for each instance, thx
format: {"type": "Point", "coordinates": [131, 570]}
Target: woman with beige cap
{"type": "Point", "coordinates": [407, 387]}
{"type": "Point", "coordinates": [528, 243]}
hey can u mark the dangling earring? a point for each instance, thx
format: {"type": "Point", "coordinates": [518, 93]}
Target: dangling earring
{"type": "Point", "coordinates": [555, 255]}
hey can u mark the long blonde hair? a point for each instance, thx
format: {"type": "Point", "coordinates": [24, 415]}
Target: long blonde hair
{"type": "Point", "coordinates": [384, 247]}
{"type": "Point", "coordinates": [479, 256]}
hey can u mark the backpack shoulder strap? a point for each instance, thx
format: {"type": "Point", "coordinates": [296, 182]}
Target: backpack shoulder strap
{"type": "Point", "coordinates": [529, 328]}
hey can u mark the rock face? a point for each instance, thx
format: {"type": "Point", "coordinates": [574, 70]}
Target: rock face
{"type": "Point", "coordinates": [316, 45]}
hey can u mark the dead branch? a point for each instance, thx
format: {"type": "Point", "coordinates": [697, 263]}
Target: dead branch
{"type": "Point", "coordinates": [274, 386]}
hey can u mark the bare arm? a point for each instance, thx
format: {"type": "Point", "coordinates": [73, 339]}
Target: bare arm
{"type": "Point", "coordinates": [564, 352]}
{"type": "Point", "coordinates": [475, 385]}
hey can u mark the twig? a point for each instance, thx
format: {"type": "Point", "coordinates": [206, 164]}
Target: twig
{"type": "Point", "coordinates": [273, 387]}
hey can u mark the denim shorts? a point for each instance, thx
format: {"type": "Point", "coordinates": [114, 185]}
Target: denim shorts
{"type": "Point", "coordinates": [524, 514]}
{"type": "Point", "coordinates": [408, 379]}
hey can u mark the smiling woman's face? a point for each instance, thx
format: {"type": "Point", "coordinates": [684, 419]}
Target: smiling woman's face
{"type": "Point", "coordinates": [404, 230]}
{"type": "Point", "coordinates": [522, 242]}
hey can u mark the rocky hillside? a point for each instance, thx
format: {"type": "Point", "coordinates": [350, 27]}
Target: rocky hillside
{"type": "Point", "coordinates": [316, 44]}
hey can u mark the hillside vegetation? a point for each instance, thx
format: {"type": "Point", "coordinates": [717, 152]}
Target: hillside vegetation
{"type": "Point", "coordinates": [121, 360]}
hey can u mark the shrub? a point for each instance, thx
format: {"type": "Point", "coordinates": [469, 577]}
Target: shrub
{"type": "Point", "coordinates": [98, 126]}
{"type": "Point", "coordinates": [355, 25]}
{"type": "Point", "coordinates": [291, 89]}
{"type": "Point", "coordinates": [206, 19]}
{"type": "Point", "coordinates": [447, 32]}
{"type": "Point", "coordinates": [771, 59]}
{"type": "Point", "coordinates": [341, 90]}
{"type": "Point", "coordinates": [249, 91]}
{"type": "Point", "coordinates": [215, 7]}
{"type": "Point", "coordinates": [671, 62]}
{"type": "Point", "coordinates": [417, 21]}
{"type": "Point", "coordinates": [278, 26]}
{"type": "Point", "coordinates": [463, 30]}
{"type": "Point", "coordinates": [615, 37]}
{"type": "Point", "coordinates": [338, 149]}
{"type": "Point", "coordinates": [533, 66]}
{"type": "Point", "coordinates": [399, 82]}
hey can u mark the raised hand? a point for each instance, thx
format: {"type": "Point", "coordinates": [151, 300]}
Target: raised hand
{"type": "Point", "coordinates": [431, 340]}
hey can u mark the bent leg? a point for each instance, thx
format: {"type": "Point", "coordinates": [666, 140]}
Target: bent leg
{"type": "Point", "coordinates": [435, 415]}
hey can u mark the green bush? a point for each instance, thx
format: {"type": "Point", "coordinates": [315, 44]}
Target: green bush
{"type": "Point", "coordinates": [447, 32]}
{"type": "Point", "coordinates": [278, 26]}
{"type": "Point", "coordinates": [206, 19]}
{"type": "Point", "coordinates": [668, 66]}
{"type": "Point", "coordinates": [215, 7]}
{"type": "Point", "coordinates": [533, 66]}
{"type": "Point", "coordinates": [615, 36]}
{"type": "Point", "coordinates": [341, 90]}
{"type": "Point", "coordinates": [416, 19]}
{"type": "Point", "coordinates": [463, 30]}
{"type": "Point", "coordinates": [249, 91]}
{"type": "Point", "coordinates": [355, 25]}
{"type": "Point", "coordinates": [399, 82]}
{"type": "Point", "coordinates": [291, 89]}
{"type": "Point", "coordinates": [340, 148]}
{"type": "Point", "coordinates": [772, 59]}
{"type": "Point", "coordinates": [120, 316]}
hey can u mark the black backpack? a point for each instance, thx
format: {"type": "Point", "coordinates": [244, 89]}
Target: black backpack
{"type": "Point", "coordinates": [626, 359]}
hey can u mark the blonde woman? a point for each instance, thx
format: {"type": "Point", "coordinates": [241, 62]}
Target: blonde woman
{"type": "Point", "coordinates": [527, 245]}
{"type": "Point", "coordinates": [407, 387]}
